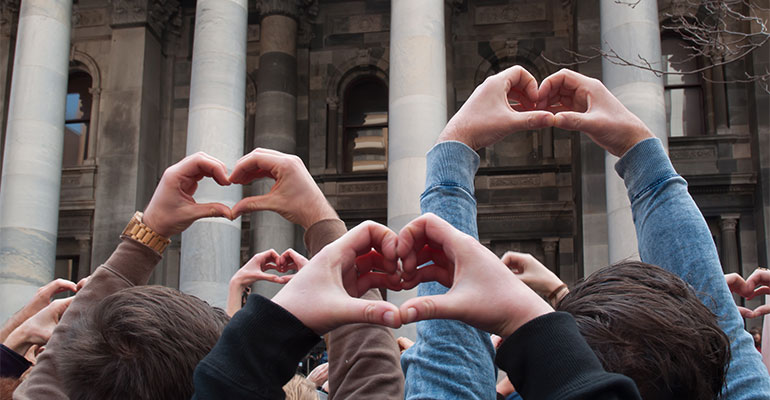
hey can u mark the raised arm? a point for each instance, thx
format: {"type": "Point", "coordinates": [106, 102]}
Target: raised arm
{"type": "Point", "coordinates": [452, 348]}
{"type": "Point", "coordinates": [171, 210]}
{"type": "Point", "coordinates": [670, 228]}
{"type": "Point", "coordinates": [363, 358]}
{"type": "Point", "coordinates": [543, 353]}
{"type": "Point", "coordinates": [260, 347]}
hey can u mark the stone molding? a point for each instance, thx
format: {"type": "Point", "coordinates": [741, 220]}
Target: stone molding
{"type": "Point", "coordinates": [728, 222]}
{"type": "Point", "coordinates": [158, 15]}
{"type": "Point", "coordinates": [290, 8]}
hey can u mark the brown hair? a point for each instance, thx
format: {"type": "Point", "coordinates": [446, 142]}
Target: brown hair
{"type": "Point", "coordinates": [299, 388]}
{"type": "Point", "coordinates": [142, 342]}
{"type": "Point", "coordinates": [646, 323]}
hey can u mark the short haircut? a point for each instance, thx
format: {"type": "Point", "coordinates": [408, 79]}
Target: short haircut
{"type": "Point", "coordinates": [299, 388]}
{"type": "Point", "coordinates": [646, 323]}
{"type": "Point", "coordinates": [142, 342]}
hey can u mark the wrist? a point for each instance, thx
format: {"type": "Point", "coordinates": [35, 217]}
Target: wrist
{"type": "Point", "coordinates": [16, 341]}
{"type": "Point", "coordinates": [453, 132]}
{"type": "Point", "coordinates": [152, 222]}
{"type": "Point", "coordinates": [325, 211]}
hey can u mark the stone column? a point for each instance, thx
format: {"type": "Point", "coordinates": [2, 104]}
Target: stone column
{"type": "Point", "coordinates": [276, 120]}
{"type": "Point", "coordinates": [332, 105]}
{"type": "Point", "coordinates": [31, 177]}
{"type": "Point", "coordinates": [550, 247]}
{"type": "Point", "coordinates": [84, 257]}
{"type": "Point", "coordinates": [729, 253]}
{"type": "Point", "coordinates": [417, 109]}
{"type": "Point", "coordinates": [632, 32]}
{"type": "Point", "coordinates": [211, 246]}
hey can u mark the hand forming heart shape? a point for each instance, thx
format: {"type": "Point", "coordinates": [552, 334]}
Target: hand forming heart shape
{"type": "Point", "coordinates": [755, 285]}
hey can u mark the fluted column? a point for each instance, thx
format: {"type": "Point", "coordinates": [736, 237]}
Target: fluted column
{"type": "Point", "coordinates": [417, 108]}
{"type": "Point", "coordinates": [631, 32]}
{"type": "Point", "coordinates": [31, 177]}
{"type": "Point", "coordinates": [276, 119]}
{"type": "Point", "coordinates": [211, 246]}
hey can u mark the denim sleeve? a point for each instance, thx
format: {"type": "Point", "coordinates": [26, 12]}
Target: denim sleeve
{"type": "Point", "coordinates": [450, 360]}
{"type": "Point", "coordinates": [673, 234]}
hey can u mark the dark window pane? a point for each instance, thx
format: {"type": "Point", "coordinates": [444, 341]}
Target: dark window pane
{"type": "Point", "coordinates": [684, 111]}
{"type": "Point", "coordinates": [77, 119]}
{"type": "Point", "coordinates": [366, 126]}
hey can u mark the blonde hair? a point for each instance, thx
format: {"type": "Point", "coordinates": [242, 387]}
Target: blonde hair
{"type": "Point", "coordinates": [299, 388]}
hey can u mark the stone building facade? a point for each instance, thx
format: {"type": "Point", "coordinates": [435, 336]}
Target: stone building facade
{"type": "Point", "coordinates": [318, 75]}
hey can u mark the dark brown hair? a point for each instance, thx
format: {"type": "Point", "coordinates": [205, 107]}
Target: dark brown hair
{"type": "Point", "coordinates": [139, 343]}
{"type": "Point", "coordinates": [646, 323]}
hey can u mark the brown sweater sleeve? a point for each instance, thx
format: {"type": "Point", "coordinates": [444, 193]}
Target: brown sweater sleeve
{"type": "Point", "coordinates": [131, 264]}
{"type": "Point", "coordinates": [364, 361]}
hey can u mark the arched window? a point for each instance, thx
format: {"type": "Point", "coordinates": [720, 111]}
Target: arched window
{"type": "Point", "coordinates": [684, 104]}
{"type": "Point", "coordinates": [77, 119]}
{"type": "Point", "coordinates": [365, 143]}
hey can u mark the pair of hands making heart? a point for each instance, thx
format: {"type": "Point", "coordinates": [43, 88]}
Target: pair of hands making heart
{"type": "Point", "coordinates": [483, 293]}
{"type": "Point", "coordinates": [512, 101]}
{"type": "Point", "coordinates": [295, 195]}
{"type": "Point", "coordinates": [757, 284]}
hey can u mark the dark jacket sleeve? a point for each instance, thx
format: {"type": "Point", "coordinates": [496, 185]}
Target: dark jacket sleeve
{"type": "Point", "coordinates": [547, 358]}
{"type": "Point", "coordinates": [12, 364]}
{"type": "Point", "coordinates": [131, 264]}
{"type": "Point", "coordinates": [256, 355]}
{"type": "Point", "coordinates": [364, 360]}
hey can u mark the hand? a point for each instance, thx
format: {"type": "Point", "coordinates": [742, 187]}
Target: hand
{"type": "Point", "coordinates": [319, 295]}
{"type": "Point", "coordinates": [496, 341]}
{"type": "Point", "coordinates": [755, 285]}
{"type": "Point", "coordinates": [291, 260]}
{"type": "Point", "coordinates": [404, 344]}
{"type": "Point", "coordinates": [482, 291]}
{"type": "Point", "coordinates": [532, 272]}
{"type": "Point", "coordinates": [294, 195]}
{"type": "Point", "coordinates": [584, 104]}
{"type": "Point", "coordinates": [487, 116]}
{"type": "Point", "coordinates": [40, 300]}
{"type": "Point", "coordinates": [319, 374]}
{"type": "Point", "coordinates": [254, 270]}
{"type": "Point", "coordinates": [37, 329]}
{"type": "Point", "coordinates": [172, 208]}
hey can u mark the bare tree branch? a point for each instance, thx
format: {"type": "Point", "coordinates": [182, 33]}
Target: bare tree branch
{"type": "Point", "coordinates": [718, 32]}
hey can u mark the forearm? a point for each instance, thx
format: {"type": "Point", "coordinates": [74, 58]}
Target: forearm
{"type": "Point", "coordinates": [256, 355]}
{"type": "Point", "coordinates": [673, 234]}
{"type": "Point", "coordinates": [547, 358]}
{"type": "Point", "coordinates": [451, 168]}
{"type": "Point", "coordinates": [131, 264]}
{"type": "Point", "coordinates": [363, 358]}
{"type": "Point", "coordinates": [12, 323]}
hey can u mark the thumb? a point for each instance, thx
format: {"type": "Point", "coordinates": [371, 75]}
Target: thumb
{"type": "Point", "coordinates": [207, 210]}
{"type": "Point", "coordinates": [426, 307]}
{"type": "Point", "coordinates": [745, 312]}
{"type": "Point", "coordinates": [59, 306]}
{"type": "Point", "coordinates": [570, 120]}
{"type": "Point", "coordinates": [533, 119]}
{"type": "Point", "coordinates": [254, 203]}
{"type": "Point", "coordinates": [371, 311]}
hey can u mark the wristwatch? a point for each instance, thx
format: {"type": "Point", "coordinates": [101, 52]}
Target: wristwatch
{"type": "Point", "coordinates": [143, 234]}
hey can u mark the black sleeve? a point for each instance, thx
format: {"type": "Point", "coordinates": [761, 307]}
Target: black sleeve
{"type": "Point", "coordinates": [256, 355]}
{"type": "Point", "coordinates": [12, 364]}
{"type": "Point", "coordinates": [547, 358]}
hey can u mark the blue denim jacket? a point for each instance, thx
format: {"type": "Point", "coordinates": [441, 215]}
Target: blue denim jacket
{"type": "Point", "coordinates": [673, 234]}
{"type": "Point", "coordinates": [450, 360]}
{"type": "Point", "coordinates": [453, 360]}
